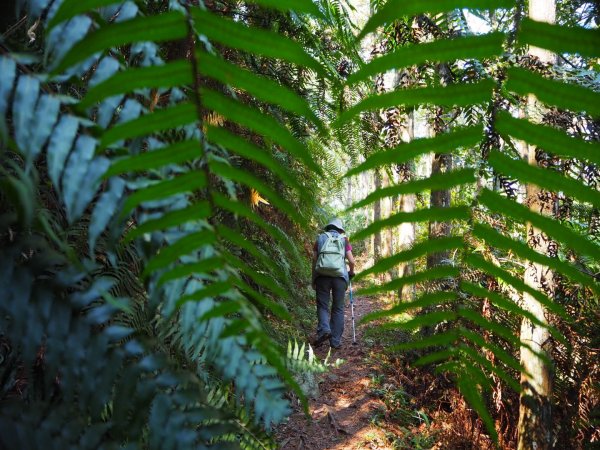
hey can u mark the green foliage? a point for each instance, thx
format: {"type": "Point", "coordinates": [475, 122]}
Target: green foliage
{"type": "Point", "coordinates": [136, 274]}
{"type": "Point", "coordinates": [484, 46]}
{"type": "Point", "coordinates": [395, 9]}
{"type": "Point", "coordinates": [455, 292]}
{"type": "Point", "coordinates": [306, 367]}
{"type": "Point", "coordinates": [142, 171]}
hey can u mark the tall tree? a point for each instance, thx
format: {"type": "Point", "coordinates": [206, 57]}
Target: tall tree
{"type": "Point", "coordinates": [536, 382]}
{"type": "Point", "coordinates": [378, 174]}
{"type": "Point", "coordinates": [377, 251]}
{"type": "Point", "coordinates": [406, 204]}
{"type": "Point", "coordinates": [441, 163]}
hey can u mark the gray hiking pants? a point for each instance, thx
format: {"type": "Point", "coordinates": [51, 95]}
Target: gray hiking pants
{"type": "Point", "coordinates": [331, 288]}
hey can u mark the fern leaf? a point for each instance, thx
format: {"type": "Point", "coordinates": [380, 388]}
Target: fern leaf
{"type": "Point", "coordinates": [517, 283]}
{"type": "Point", "coordinates": [260, 87]}
{"type": "Point", "coordinates": [454, 95]}
{"type": "Point", "coordinates": [553, 228]}
{"type": "Point", "coordinates": [176, 116]}
{"type": "Point", "coordinates": [240, 176]}
{"type": "Point", "coordinates": [435, 273]}
{"type": "Point", "coordinates": [168, 75]}
{"type": "Point", "coordinates": [262, 124]}
{"type": "Point", "coordinates": [196, 212]}
{"type": "Point", "coordinates": [253, 40]}
{"type": "Point", "coordinates": [176, 153]}
{"type": "Point", "coordinates": [560, 39]}
{"type": "Point", "coordinates": [164, 27]}
{"type": "Point", "coordinates": [423, 215]}
{"type": "Point", "coordinates": [544, 178]}
{"type": "Point", "coordinates": [71, 8]}
{"type": "Point", "coordinates": [395, 9]}
{"type": "Point", "coordinates": [469, 47]}
{"type": "Point", "coordinates": [548, 138]}
{"type": "Point", "coordinates": [435, 182]}
{"type": "Point", "coordinates": [180, 248]}
{"type": "Point", "coordinates": [421, 249]}
{"type": "Point", "coordinates": [249, 151]}
{"type": "Point", "coordinates": [184, 183]}
{"type": "Point", "coordinates": [522, 250]}
{"type": "Point", "coordinates": [425, 300]}
{"type": "Point", "coordinates": [553, 92]}
{"type": "Point", "coordinates": [301, 6]}
{"type": "Point", "coordinates": [444, 143]}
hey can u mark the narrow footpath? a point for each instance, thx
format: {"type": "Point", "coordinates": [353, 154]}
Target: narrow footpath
{"type": "Point", "coordinates": [342, 413]}
{"type": "Point", "coordinates": [373, 402]}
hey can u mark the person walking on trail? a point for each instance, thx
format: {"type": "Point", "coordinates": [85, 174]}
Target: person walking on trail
{"type": "Point", "coordinates": [330, 279]}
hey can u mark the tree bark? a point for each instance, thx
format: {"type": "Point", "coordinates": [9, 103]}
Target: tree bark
{"type": "Point", "coordinates": [438, 199]}
{"type": "Point", "coordinates": [406, 203]}
{"type": "Point", "coordinates": [387, 235]}
{"type": "Point", "coordinates": [377, 254]}
{"type": "Point", "coordinates": [441, 163]}
{"type": "Point", "coordinates": [534, 427]}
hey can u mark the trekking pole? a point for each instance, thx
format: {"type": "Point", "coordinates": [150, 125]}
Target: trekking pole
{"type": "Point", "coordinates": [352, 308]}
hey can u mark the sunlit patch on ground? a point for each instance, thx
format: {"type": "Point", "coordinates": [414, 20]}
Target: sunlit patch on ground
{"type": "Point", "coordinates": [367, 438]}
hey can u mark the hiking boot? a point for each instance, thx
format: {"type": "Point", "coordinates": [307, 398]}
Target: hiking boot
{"type": "Point", "coordinates": [319, 340]}
{"type": "Point", "coordinates": [335, 347]}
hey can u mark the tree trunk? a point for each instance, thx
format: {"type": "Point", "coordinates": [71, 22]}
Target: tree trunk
{"type": "Point", "coordinates": [377, 254]}
{"type": "Point", "coordinates": [378, 172]}
{"type": "Point", "coordinates": [387, 235]}
{"type": "Point", "coordinates": [392, 137]}
{"type": "Point", "coordinates": [534, 426]}
{"type": "Point", "coordinates": [406, 203]}
{"type": "Point", "coordinates": [441, 163]}
{"type": "Point", "coordinates": [366, 186]}
{"type": "Point", "coordinates": [349, 198]}
{"type": "Point", "coordinates": [439, 199]}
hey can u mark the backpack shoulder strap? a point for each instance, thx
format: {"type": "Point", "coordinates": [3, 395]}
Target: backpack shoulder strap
{"type": "Point", "coordinates": [325, 242]}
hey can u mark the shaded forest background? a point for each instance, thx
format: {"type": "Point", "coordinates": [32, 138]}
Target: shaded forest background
{"type": "Point", "coordinates": [166, 166]}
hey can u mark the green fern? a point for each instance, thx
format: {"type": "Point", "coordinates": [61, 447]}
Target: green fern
{"type": "Point", "coordinates": [135, 300]}
{"type": "Point", "coordinates": [168, 179]}
{"type": "Point", "coordinates": [460, 349]}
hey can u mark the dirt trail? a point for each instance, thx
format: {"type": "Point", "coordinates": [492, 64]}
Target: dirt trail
{"type": "Point", "coordinates": [342, 412]}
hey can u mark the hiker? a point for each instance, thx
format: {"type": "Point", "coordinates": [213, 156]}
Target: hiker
{"type": "Point", "coordinates": [330, 278]}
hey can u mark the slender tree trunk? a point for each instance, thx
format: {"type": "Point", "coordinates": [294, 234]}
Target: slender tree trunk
{"type": "Point", "coordinates": [534, 426]}
{"type": "Point", "coordinates": [378, 48]}
{"type": "Point", "coordinates": [349, 198]}
{"type": "Point", "coordinates": [406, 203]}
{"type": "Point", "coordinates": [386, 211]}
{"type": "Point", "coordinates": [366, 186]}
{"type": "Point", "coordinates": [439, 199]}
{"type": "Point", "coordinates": [441, 163]}
{"type": "Point", "coordinates": [377, 254]}
{"type": "Point", "coordinates": [392, 136]}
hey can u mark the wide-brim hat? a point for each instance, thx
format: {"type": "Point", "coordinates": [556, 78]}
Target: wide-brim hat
{"type": "Point", "coordinates": [336, 223]}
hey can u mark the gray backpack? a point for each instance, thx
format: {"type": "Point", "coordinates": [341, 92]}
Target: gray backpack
{"type": "Point", "coordinates": [331, 260]}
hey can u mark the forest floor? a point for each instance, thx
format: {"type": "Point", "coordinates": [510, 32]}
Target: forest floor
{"type": "Point", "coordinates": [372, 401]}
